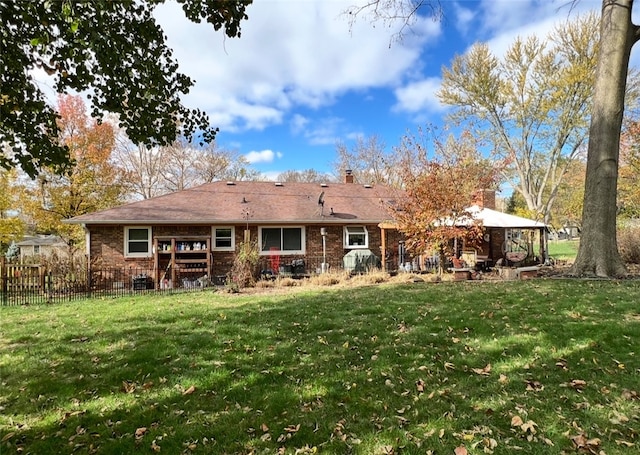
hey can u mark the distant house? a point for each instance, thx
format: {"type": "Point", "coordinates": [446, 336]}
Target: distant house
{"type": "Point", "coordinates": [297, 227]}
{"type": "Point", "coordinates": [41, 245]}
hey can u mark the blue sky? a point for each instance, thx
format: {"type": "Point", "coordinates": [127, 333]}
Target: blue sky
{"type": "Point", "coordinates": [299, 79]}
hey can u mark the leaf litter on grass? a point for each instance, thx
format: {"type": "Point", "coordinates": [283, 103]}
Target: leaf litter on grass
{"type": "Point", "coordinates": [339, 372]}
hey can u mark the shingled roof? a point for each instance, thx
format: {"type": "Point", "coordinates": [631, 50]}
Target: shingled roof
{"type": "Point", "coordinates": [264, 202]}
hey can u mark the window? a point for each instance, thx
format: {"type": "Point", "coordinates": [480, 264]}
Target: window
{"type": "Point", "coordinates": [281, 240]}
{"type": "Point", "coordinates": [36, 249]}
{"type": "Point", "coordinates": [224, 238]}
{"type": "Point", "coordinates": [356, 237]}
{"type": "Point", "coordinates": [137, 242]}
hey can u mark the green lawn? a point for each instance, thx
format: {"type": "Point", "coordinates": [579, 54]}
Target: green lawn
{"type": "Point", "coordinates": [564, 250]}
{"type": "Point", "coordinates": [535, 367]}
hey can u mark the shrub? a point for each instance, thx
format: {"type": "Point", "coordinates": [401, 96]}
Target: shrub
{"type": "Point", "coordinates": [329, 279]}
{"type": "Point", "coordinates": [265, 284]}
{"type": "Point", "coordinates": [371, 277]}
{"type": "Point", "coordinates": [287, 282]}
{"type": "Point", "coordinates": [243, 271]}
{"type": "Point", "coordinates": [629, 244]}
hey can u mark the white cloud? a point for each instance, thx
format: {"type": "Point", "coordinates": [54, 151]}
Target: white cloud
{"type": "Point", "coordinates": [326, 131]}
{"type": "Point", "coordinates": [263, 156]}
{"type": "Point", "coordinates": [290, 54]}
{"type": "Point", "coordinates": [419, 96]}
{"type": "Point", "coordinates": [505, 20]}
{"type": "Point", "coordinates": [298, 123]}
{"type": "Point", "coordinates": [463, 18]}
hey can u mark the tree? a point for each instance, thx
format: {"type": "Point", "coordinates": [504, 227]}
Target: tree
{"type": "Point", "coordinates": [115, 50]}
{"type": "Point", "coordinates": [11, 227]}
{"type": "Point", "coordinates": [629, 182]}
{"type": "Point", "coordinates": [532, 105]}
{"type": "Point", "coordinates": [369, 162]}
{"type": "Point", "coordinates": [308, 175]}
{"type": "Point", "coordinates": [153, 171]}
{"type": "Point", "coordinates": [598, 251]}
{"type": "Point", "coordinates": [439, 188]}
{"type": "Point", "coordinates": [92, 183]}
{"type": "Point", "coordinates": [568, 207]}
{"type": "Point", "coordinates": [142, 165]}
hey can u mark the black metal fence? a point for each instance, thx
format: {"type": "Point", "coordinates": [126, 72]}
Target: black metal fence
{"type": "Point", "coordinates": [36, 284]}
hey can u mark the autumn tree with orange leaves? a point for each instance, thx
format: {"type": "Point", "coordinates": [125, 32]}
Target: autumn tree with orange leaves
{"type": "Point", "coordinates": [91, 183]}
{"type": "Point", "coordinates": [439, 188]}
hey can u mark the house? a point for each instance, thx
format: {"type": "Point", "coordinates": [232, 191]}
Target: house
{"type": "Point", "coordinates": [41, 245]}
{"type": "Point", "coordinates": [299, 228]}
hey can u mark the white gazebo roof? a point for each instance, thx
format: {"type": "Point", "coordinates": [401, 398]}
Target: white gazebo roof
{"type": "Point", "coordinates": [494, 219]}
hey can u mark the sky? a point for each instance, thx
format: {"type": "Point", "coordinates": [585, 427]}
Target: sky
{"type": "Point", "coordinates": [301, 79]}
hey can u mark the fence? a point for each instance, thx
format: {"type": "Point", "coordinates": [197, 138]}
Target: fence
{"type": "Point", "coordinates": [22, 284]}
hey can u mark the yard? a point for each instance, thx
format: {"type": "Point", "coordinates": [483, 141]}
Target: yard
{"type": "Point", "coordinates": [536, 367]}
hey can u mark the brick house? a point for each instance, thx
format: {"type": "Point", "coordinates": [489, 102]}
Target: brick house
{"type": "Point", "coordinates": [297, 227]}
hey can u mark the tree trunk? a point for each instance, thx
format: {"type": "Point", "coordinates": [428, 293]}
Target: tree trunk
{"type": "Point", "coordinates": [598, 253]}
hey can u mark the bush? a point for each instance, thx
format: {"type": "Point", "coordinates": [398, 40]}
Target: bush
{"type": "Point", "coordinates": [371, 277]}
{"type": "Point", "coordinates": [243, 271]}
{"type": "Point", "coordinates": [629, 244]}
{"type": "Point", "coordinates": [328, 279]}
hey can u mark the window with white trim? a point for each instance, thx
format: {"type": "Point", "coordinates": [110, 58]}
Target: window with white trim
{"type": "Point", "coordinates": [281, 240]}
{"type": "Point", "coordinates": [224, 238]}
{"type": "Point", "coordinates": [137, 242]}
{"type": "Point", "coordinates": [356, 237]}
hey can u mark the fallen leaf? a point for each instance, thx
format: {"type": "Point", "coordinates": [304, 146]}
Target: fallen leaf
{"type": "Point", "coordinates": [154, 446]}
{"type": "Point", "coordinates": [578, 384]}
{"type": "Point", "coordinates": [483, 371]}
{"type": "Point", "coordinates": [8, 436]}
{"type": "Point", "coordinates": [449, 366]}
{"type": "Point", "coordinates": [529, 427]}
{"type": "Point", "coordinates": [503, 379]}
{"type": "Point", "coordinates": [140, 432]}
{"type": "Point", "coordinates": [461, 450]}
{"type": "Point", "coordinates": [189, 391]}
{"type": "Point", "coordinates": [534, 386]}
{"type": "Point", "coordinates": [420, 385]}
{"type": "Point", "coordinates": [292, 428]}
{"type": "Point", "coordinates": [128, 386]}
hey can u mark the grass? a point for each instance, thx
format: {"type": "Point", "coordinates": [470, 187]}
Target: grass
{"type": "Point", "coordinates": [564, 250]}
{"type": "Point", "coordinates": [539, 367]}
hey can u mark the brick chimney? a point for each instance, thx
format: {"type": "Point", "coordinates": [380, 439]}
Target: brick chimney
{"type": "Point", "coordinates": [348, 176]}
{"type": "Point", "coordinates": [485, 199]}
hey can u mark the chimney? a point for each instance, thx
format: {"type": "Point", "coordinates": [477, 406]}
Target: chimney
{"type": "Point", "coordinates": [348, 176]}
{"type": "Point", "coordinates": [485, 199]}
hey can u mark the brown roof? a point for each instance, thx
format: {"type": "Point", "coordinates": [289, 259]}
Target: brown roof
{"type": "Point", "coordinates": [264, 202]}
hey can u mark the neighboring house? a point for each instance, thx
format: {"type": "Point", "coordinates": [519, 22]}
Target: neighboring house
{"type": "Point", "coordinates": [41, 245]}
{"type": "Point", "coordinates": [297, 227]}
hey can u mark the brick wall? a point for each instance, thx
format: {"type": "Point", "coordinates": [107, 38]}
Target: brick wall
{"type": "Point", "coordinates": [107, 245]}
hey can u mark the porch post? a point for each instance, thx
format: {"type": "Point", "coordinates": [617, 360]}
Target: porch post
{"type": "Point", "coordinates": [383, 248]}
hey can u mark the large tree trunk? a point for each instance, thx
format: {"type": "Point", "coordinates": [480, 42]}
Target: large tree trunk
{"type": "Point", "coordinates": [598, 253]}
